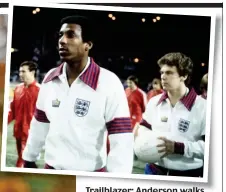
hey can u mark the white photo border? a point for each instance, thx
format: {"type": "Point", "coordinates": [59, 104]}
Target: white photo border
{"type": "Point", "coordinates": [174, 11]}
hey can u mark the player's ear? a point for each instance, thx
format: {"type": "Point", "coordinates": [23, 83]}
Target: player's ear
{"type": "Point", "coordinates": [33, 72]}
{"type": "Point", "coordinates": [88, 45]}
{"type": "Point", "coordinates": [183, 78]}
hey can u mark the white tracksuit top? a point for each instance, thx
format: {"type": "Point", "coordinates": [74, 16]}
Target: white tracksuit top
{"type": "Point", "coordinates": [73, 122]}
{"type": "Point", "coordinates": [185, 122]}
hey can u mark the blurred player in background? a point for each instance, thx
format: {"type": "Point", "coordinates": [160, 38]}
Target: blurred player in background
{"type": "Point", "coordinates": [155, 88]}
{"type": "Point", "coordinates": [22, 106]}
{"type": "Point", "coordinates": [204, 86]}
{"type": "Point", "coordinates": [79, 103]}
{"type": "Point", "coordinates": [137, 100]}
{"type": "Point", "coordinates": [181, 114]}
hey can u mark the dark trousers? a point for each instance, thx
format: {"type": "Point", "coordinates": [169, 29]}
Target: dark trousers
{"type": "Point", "coordinates": [158, 170]}
{"type": "Point", "coordinates": [99, 170]}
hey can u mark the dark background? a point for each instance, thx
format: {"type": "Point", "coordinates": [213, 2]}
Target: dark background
{"type": "Point", "coordinates": [117, 42]}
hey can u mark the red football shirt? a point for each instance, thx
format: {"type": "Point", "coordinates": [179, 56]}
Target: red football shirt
{"type": "Point", "coordinates": [22, 108]}
{"type": "Point", "coordinates": [153, 93]}
{"type": "Point", "coordinates": [137, 102]}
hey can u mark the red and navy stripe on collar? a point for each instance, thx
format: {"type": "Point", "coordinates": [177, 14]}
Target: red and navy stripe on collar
{"type": "Point", "coordinates": [89, 77]}
{"type": "Point", "coordinates": [187, 100]}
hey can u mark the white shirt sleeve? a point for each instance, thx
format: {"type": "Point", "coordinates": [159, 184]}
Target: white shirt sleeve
{"type": "Point", "coordinates": [120, 157]}
{"type": "Point", "coordinates": [39, 128]}
{"type": "Point", "coordinates": [196, 149]}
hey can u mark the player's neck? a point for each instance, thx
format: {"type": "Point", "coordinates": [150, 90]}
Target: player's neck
{"type": "Point", "coordinates": [30, 81]}
{"type": "Point", "coordinates": [75, 68]}
{"type": "Point", "coordinates": [177, 94]}
{"type": "Point", "coordinates": [134, 88]}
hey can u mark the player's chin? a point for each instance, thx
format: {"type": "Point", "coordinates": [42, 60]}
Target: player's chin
{"type": "Point", "coordinates": [165, 87]}
{"type": "Point", "coordinates": [64, 58]}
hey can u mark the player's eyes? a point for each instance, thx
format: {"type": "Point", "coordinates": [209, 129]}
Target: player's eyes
{"type": "Point", "coordinates": [70, 34]}
{"type": "Point", "coordinates": [60, 35]}
{"type": "Point", "coordinates": [166, 72]}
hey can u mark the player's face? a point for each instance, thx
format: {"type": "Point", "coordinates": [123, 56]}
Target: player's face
{"type": "Point", "coordinates": [130, 84]}
{"type": "Point", "coordinates": [25, 74]}
{"type": "Point", "coordinates": [170, 78]}
{"type": "Point", "coordinates": [156, 86]}
{"type": "Point", "coordinates": [71, 46]}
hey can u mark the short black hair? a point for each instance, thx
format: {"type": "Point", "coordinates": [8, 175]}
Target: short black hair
{"type": "Point", "coordinates": [85, 23]}
{"type": "Point", "coordinates": [32, 66]}
{"type": "Point", "coordinates": [133, 78]}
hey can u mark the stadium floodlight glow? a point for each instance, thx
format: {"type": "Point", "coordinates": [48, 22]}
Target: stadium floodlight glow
{"type": "Point", "coordinates": [136, 60]}
{"type": "Point", "coordinates": [143, 20]}
{"type": "Point", "coordinates": [154, 20]}
{"type": "Point", "coordinates": [34, 12]}
{"type": "Point", "coordinates": [113, 18]}
{"type": "Point", "coordinates": [37, 9]}
{"type": "Point", "coordinates": [14, 50]}
{"type": "Point", "coordinates": [158, 18]}
{"type": "Point", "coordinates": [110, 15]}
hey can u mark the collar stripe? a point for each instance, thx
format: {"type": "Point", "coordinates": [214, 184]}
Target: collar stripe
{"type": "Point", "coordinates": [187, 100]}
{"type": "Point", "coordinates": [89, 77]}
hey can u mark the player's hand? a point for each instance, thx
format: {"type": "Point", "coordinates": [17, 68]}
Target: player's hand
{"type": "Point", "coordinates": [167, 147]}
{"type": "Point", "coordinates": [28, 164]}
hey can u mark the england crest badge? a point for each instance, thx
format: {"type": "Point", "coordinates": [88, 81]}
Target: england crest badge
{"type": "Point", "coordinates": [81, 107]}
{"type": "Point", "coordinates": [183, 125]}
{"type": "Point", "coordinates": [55, 103]}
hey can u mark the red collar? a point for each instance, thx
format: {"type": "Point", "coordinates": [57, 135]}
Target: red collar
{"type": "Point", "coordinates": [187, 100]}
{"type": "Point", "coordinates": [89, 77]}
{"type": "Point", "coordinates": [31, 84]}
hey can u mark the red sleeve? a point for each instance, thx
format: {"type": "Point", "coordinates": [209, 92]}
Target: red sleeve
{"type": "Point", "coordinates": [140, 107]}
{"type": "Point", "coordinates": [36, 91]}
{"type": "Point", "coordinates": [143, 101]}
{"type": "Point", "coordinates": [151, 94]}
{"type": "Point", "coordinates": [11, 114]}
{"type": "Point", "coordinates": [31, 103]}
{"type": "Point", "coordinates": [148, 96]}
{"type": "Point", "coordinates": [35, 94]}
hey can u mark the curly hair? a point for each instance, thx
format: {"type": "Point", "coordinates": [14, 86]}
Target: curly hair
{"type": "Point", "coordinates": [183, 64]}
